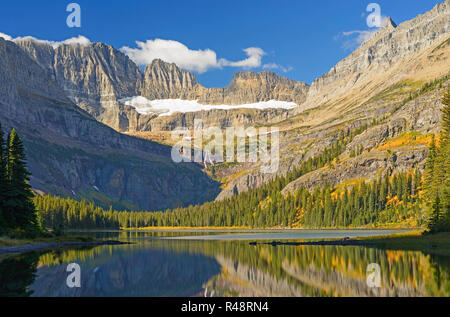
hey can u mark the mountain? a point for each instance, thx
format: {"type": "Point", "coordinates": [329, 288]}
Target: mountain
{"type": "Point", "coordinates": [250, 87]}
{"type": "Point", "coordinates": [71, 154]}
{"type": "Point", "coordinates": [384, 59]}
{"type": "Point", "coordinates": [167, 81]}
{"type": "Point", "coordinates": [96, 77]}
{"type": "Point", "coordinates": [393, 84]}
{"type": "Point", "coordinates": [387, 92]}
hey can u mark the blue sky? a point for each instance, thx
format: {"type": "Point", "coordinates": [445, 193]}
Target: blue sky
{"type": "Point", "coordinates": [298, 39]}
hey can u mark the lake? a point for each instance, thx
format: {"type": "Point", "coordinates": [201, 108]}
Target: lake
{"type": "Point", "coordinates": [220, 263]}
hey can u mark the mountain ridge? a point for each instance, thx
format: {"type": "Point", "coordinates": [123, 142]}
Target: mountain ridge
{"type": "Point", "coordinates": [97, 76]}
{"type": "Point", "coordinates": [72, 154]}
{"type": "Point", "coordinates": [382, 81]}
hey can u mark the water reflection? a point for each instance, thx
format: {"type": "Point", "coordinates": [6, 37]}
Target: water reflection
{"type": "Point", "coordinates": [17, 273]}
{"type": "Point", "coordinates": [156, 267]}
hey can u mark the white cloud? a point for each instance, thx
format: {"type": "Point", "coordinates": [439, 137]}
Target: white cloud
{"type": "Point", "coordinates": [172, 52]}
{"type": "Point", "coordinates": [5, 36]}
{"type": "Point", "coordinates": [254, 54]}
{"type": "Point", "coordinates": [192, 60]}
{"type": "Point", "coordinates": [359, 37]}
{"type": "Point", "coordinates": [79, 40]}
{"type": "Point", "coordinates": [276, 66]}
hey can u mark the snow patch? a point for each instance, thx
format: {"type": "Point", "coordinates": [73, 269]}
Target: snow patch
{"type": "Point", "coordinates": [79, 40]}
{"type": "Point", "coordinates": [167, 107]}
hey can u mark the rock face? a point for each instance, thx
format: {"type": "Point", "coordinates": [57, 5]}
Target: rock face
{"type": "Point", "coordinates": [251, 87]}
{"type": "Point", "coordinates": [388, 46]}
{"type": "Point", "coordinates": [167, 81]}
{"type": "Point", "coordinates": [93, 76]}
{"type": "Point", "coordinates": [368, 85]}
{"type": "Point", "coordinates": [71, 154]}
{"type": "Point", "coordinates": [213, 118]}
{"type": "Point", "coordinates": [96, 77]}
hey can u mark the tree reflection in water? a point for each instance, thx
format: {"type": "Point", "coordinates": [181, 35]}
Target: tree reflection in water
{"type": "Point", "coordinates": [225, 268]}
{"type": "Point", "coordinates": [17, 274]}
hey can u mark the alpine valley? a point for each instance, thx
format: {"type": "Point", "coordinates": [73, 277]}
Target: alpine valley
{"type": "Point", "coordinates": [93, 201]}
{"type": "Point", "coordinates": [83, 112]}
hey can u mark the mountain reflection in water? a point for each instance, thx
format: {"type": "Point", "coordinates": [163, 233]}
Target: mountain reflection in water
{"type": "Point", "coordinates": [154, 267]}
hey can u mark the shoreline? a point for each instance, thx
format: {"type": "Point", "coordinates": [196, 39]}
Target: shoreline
{"type": "Point", "coordinates": [250, 230]}
{"type": "Point", "coordinates": [412, 240]}
{"type": "Point", "coordinates": [437, 243]}
{"type": "Point", "coordinates": [53, 245]}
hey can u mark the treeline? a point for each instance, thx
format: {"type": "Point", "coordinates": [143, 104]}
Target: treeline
{"type": "Point", "coordinates": [64, 213]}
{"type": "Point", "coordinates": [437, 175]}
{"type": "Point", "coordinates": [260, 207]}
{"type": "Point", "coordinates": [17, 213]}
{"type": "Point", "coordinates": [386, 200]}
{"type": "Point", "coordinates": [400, 198]}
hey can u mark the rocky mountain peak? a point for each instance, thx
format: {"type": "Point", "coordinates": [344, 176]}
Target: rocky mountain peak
{"type": "Point", "coordinates": [163, 80]}
{"type": "Point", "coordinates": [264, 76]}
{"type": "Point", "coordinates": [390, 23]}
{"type": "Point", "coordinates": [388, 46]}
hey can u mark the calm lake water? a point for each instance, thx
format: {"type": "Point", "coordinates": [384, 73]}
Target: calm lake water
{"type": "Point", "coordinates": [216, 263]}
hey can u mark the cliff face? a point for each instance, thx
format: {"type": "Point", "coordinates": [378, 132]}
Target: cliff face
{"type": "Point", "coordinates": [373, 83]}
{"type": "Point", "coordinates": [93, 76]}
{"type": "Point", "coordinates": [96, 76]}
{"type": "Point", "coordinates": [71, 154]}
{"type": "Point", "coordinates": [251, 87]}
{"type": "Point", "coordinates": [380, 54]}
{"type": "Point", "coordinates": [370, 84]}
{"type": "Point", "coordinates": [167, 81]}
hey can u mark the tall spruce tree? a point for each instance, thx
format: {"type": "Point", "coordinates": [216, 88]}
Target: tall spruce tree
{"type": "Point", "coordinates": [444, 156]}
{"type": "Point", "coordinates": [3, 180]}
{"type": "Point", "coordinates": [438, 185]}
{"type": "Point", "coordinates": [19, 211]}
{"type": "Point", "coordinates": [430, 169]}
{"type": "Point", "coordinates": [442, 166]}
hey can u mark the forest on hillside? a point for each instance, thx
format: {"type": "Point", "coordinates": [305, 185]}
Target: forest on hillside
{"type": "Point", "coordinates": [410, 199]}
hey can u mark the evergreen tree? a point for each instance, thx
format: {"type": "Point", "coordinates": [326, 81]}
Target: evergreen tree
{"type": "Point", "coordinates": [438, 185]}
{"type": "Point", "coordinates": [429, 170]}
{"type": "Point", "coordinates": [19, 210]}
{"type": "Point", "coordinates": [3, 180]}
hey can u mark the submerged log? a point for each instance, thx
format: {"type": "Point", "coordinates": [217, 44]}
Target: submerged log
{"type": "Point", "coordinates": [343, 242]}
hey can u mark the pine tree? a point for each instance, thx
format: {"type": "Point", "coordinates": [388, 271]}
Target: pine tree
{"type": "Point", "coordinates": [434, 222]}
{"type": "Point", "coordinates": [442, 173]}
{"type": "Point", "coordinates": [19, 210]}
{"type": "Point", "coordinates": [429, 170]}
{"type": "Point", "coordinates": [3, 180]}
{"type": "Point", "coordinates": [437, 184]}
